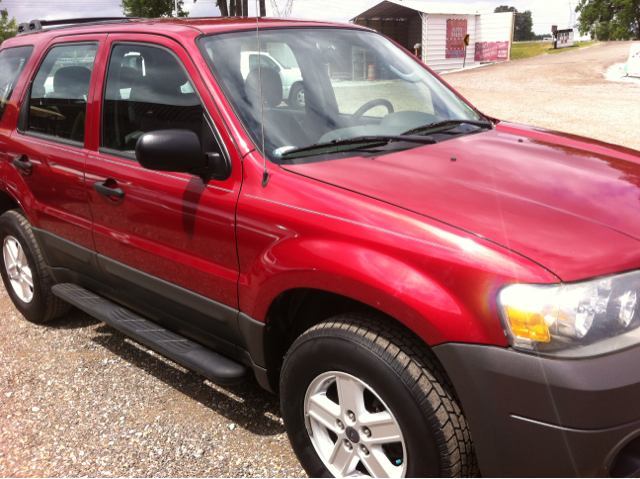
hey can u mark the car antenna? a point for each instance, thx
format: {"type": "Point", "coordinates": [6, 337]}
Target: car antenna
{"type": "Point", "coordinates": [265, 173]}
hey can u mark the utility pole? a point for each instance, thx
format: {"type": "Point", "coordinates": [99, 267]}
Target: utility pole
{"type": "Point", "coordinates": [175, 2]}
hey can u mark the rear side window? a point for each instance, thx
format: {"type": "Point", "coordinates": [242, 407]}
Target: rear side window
{"type": "Point", "coordinates": [12, 63]}
{"type": "Point", "coordinates": [147, 89]}
{"type": "Point", "coordinates": [58, 101]}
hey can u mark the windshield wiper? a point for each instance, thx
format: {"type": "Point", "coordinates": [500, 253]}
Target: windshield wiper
{"type": "Point", "coordinates": [357, 143]}
{"type": "Point", "coordinates": [438, 124]}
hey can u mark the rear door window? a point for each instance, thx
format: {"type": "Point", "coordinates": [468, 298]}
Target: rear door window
{"type": "Point", "coordinates": [58, 101]}
{"type": "Point", "coordinates": [147, 89]}
{"type": "Point", "coordinates": [12, 63]}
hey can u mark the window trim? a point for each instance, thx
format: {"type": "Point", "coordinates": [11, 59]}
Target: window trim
{"type": "Point", "coordinates": [23, 118]}
{"type": "Point", "coordinates": [207, 116]}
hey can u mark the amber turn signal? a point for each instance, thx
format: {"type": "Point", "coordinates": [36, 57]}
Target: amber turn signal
{"type": "Point", "coordinates": [528, 325]}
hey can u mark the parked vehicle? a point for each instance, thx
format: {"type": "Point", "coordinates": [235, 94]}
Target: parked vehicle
{"type": "Point", "coordinates": [292, 85]}
{"type": "Point", "coordinates": [430, 290]}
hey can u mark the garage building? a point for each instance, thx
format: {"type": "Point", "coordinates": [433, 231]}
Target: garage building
{"type": "Point", "coordinates": [434, 32]}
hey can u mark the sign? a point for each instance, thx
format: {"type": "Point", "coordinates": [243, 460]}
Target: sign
{"type": "Point", "coordinates": [564, 38]}
{"type": "Point", "coordinates": [466, 40]}
{"type": "Point", "coordinates": [492, 51]}
{"type": "Point", "coordinates": [456, 30]}
{"type": "Point", "coordinates": [554, 29]}
{"type": "Point", "coordinates": [633, 63]}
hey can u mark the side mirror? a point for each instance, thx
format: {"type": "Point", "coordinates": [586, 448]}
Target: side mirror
{"type": "Point", "coordinates": [180, 151]}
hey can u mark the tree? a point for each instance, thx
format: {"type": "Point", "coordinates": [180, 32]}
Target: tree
{"type": "Point", "coordinates": [610, 19]}
{"type": "Point", "coordinates": [237, 8]}
{"type": "Point", "coordinates": [8, 28]}
{"type": "Point", "coordinates": [152, 8]}
{"type": "Point", "coordinates": [523, 25]}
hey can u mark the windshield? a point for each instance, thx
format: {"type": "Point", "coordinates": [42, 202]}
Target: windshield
{"type": "Point", "coordinates": [338, 84]}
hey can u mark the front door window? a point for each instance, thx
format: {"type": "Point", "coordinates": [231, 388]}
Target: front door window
{"type": "Point", "coordinates": [147, 90]}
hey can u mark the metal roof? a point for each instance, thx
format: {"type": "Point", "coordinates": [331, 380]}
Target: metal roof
{"type": "Point", "coordinates": [394, 9]}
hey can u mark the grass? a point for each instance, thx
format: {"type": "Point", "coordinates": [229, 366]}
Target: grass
{"type": "Point", "coordinates": [533, 49]}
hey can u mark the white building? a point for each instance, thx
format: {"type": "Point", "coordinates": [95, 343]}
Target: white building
{"type": "Point", "coordinates": [435, 31]}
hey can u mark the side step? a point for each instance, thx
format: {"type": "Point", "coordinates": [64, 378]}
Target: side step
{"type": "Point", "coordinates": [182, 350]}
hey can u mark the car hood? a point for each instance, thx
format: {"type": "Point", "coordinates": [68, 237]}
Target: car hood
{"type": "Point", "coordinates": [567, 203]}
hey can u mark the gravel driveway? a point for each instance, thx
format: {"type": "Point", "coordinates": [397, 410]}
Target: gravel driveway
{"type": "Point", "coordinates": [79, 399]}
{"type": "Point", "coordinates": [565, 91]}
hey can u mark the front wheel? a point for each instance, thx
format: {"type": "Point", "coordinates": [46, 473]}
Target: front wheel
{"type": "Point", "coordinates": [296, 97]}
{"type": "Point", "coordinates": [365, 397]}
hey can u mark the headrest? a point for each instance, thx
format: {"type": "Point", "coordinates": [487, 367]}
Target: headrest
{"type": "Point", "coordinates": [167, 75]}
{"type": "Point", "coordinates": [71, 82]}
{"type": "Point", "coordinates": [271, 86]}
{"type": "Point", "coordinates": [129, 76]}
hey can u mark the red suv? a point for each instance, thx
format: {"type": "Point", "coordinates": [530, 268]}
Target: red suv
{"type": "Point", "coordinates": [407, 273]}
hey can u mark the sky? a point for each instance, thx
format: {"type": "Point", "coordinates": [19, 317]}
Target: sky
{"type": "Point", "coordinates": [544, 12]}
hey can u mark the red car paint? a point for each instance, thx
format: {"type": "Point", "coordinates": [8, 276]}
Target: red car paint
{"type": "Point", "coordinates": [414, 234]}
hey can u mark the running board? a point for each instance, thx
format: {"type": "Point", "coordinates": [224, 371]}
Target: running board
{"type": "Point", "coordinates": [182, 350]}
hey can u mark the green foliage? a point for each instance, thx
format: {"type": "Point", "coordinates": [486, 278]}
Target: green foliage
{"type": "Point", "coordinates": [610, 19]}
{"type": "Point", "coordinates": [533, 49]}
{"type": "Point", "coordinates": [523, 28]}
{"type": "Point", "coordinates": [8, 28]}
{"type": "Point", "coordinates": [152, 8]}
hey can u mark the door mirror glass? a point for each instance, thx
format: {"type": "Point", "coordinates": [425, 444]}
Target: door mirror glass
{"type": "Point", "coordinates": [170, 150]}
{"type": "Point", "coordinates": [180, 151]}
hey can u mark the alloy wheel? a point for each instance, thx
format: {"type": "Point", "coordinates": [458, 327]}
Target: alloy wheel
{"type": "Point", "coordinates": [351, 428]}
{"type": "Point", "coordinates": [18, 270]}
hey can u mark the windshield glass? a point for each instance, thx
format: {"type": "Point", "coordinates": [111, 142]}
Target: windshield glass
{"type": "Point", "coordinates": [317, 85]}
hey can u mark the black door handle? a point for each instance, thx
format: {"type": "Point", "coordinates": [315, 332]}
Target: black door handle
{"type": "Point", "coordinates": [102, 188]}
{"type": "Point", "coordinates": [25, 166]}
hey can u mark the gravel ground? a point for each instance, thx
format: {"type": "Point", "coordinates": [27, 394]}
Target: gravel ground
{"type": "Point", "coordinates": [567, 92]}
{"type": "Point", "coordinates": [80, 399]}
{"type": "Point", "coordinates": [77, 398]}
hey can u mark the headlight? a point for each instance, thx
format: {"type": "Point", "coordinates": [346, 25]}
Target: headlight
{"type": "Point", "coordinates": [573, 319]}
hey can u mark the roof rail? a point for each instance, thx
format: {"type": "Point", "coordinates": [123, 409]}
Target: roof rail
{"type": "Point", "coordinates": [37, 25]}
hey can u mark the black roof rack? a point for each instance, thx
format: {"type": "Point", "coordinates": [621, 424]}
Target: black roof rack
{"type": "Point", "coordinates": [37, 25]}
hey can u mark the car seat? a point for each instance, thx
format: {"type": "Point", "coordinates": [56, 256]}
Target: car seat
{"type": "Point", "coordinates": [284, 126]}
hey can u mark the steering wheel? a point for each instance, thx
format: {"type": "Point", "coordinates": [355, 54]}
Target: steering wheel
{"type": "Point", "coordinates": [369, 105]}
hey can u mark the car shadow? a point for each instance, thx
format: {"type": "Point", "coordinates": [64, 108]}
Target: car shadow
{"type": "Point", "coordinates": [245, 404]}
{"type": "Point", "coordinates": [74, 319]}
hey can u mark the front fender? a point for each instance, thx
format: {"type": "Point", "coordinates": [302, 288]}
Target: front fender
{"type": "Point", "coordinates": [389, 285]}
{"type": "Point", "coordinates": [439, 281]}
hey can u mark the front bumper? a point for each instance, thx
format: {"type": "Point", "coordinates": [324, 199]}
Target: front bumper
{"type": "Point", "coordinates": [540, 417]}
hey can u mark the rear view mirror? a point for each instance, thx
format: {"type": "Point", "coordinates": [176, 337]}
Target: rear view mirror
{"type": "Point", "coordinates": [180, 151]}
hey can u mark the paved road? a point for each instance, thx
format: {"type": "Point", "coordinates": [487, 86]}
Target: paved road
{"type": "Point", "coordinates": [565, 91]}
{"type": "Point", "coordinates": [79, 399]}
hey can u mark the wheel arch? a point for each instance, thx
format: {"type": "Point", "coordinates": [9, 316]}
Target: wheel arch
{"type": "Point", "coordinates": [7, 202]}
{"type": "Point", "coordinates": [296, 83]}
{"type": "Point", "coordinates": [296, 310]}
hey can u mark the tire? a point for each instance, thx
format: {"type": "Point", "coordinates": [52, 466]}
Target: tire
{"type": "Point", "coordinates": [36, 302]}
{"type": "Point", "coordinates": [401, 384]}
{"type": "Point", "coordinates": [296, 97]}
